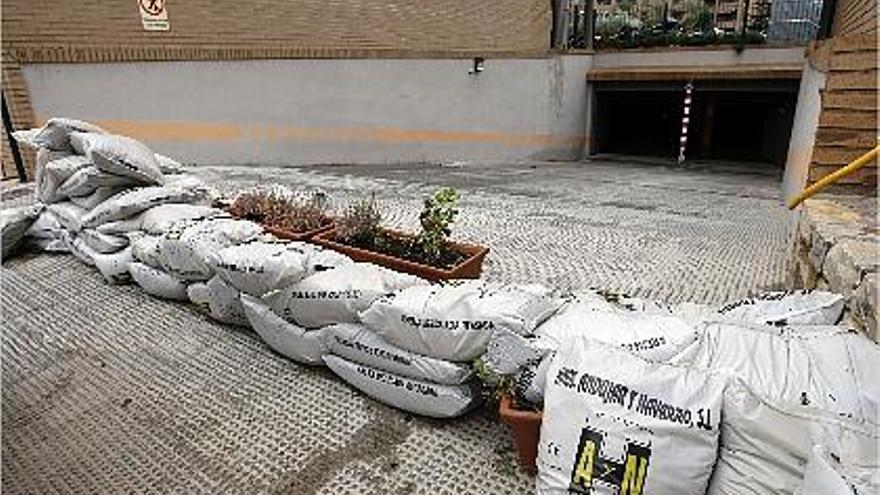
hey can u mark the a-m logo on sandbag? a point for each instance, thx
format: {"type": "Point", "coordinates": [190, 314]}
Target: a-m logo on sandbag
{"type": "Point", "coordinates": [591, 467]}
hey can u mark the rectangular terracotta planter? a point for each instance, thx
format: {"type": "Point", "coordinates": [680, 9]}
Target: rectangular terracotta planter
{"type": "Point", "coordinates": [471, 267]}
{"type": "Point", "coordinates": [287, 234]}
{"type": "Point", "coordinates": [297, 236]}
{"type": "Point", "coordinates": [526, 429]}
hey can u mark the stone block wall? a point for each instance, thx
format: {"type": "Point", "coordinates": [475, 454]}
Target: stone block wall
{"type": "Point", "coordinates": [836, 248]}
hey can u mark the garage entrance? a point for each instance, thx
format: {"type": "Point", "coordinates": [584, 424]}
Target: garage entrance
{"type": "Point", "coordinates": [743, 121]}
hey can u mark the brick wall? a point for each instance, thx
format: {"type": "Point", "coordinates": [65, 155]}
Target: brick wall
{"type": "Point", "coordinates": [110, 30]}
{"type": "Point", "coordinates": [255, 25]}
{"type": "Point", "coordinates": [848, 122]}
{"type": "Point", "coordinates": [854, 17]}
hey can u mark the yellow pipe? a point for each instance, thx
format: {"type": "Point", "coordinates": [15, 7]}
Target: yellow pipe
{"type": "Point", "coordinates": [832, 178]}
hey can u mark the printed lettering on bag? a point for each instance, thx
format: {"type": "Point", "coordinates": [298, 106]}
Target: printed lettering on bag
{"type": "Point", "coordinates": [476, 325]}
{"type": "Point", "coordinates": [619, 394]}
{"type": "Point", "coordinates": [591, 466]}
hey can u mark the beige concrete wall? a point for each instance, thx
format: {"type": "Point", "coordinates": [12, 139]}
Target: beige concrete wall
{"type": "Point", "coordinates": [276, 112]}
{"type": "Point", "coordinates": [103, 31]}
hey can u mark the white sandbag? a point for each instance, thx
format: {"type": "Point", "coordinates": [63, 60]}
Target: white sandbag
{"type": "Point", "coordinates": [55, 135]}
{"type": "Point", "coordinates": [184, 181]}
{"type": "Point", "coordinates": [530, 382]}
{"type": "Point", "coordinates": [81, 250]}
{"type": "Point", "coordinates": [692, 313]}
{"type": "Point", "coordinates": [800, 307]}
{"type": "Point", "coordinates": [793, 387]}
{"type": "Point", "coordinates": [27, 137]}
{"type": "Point", "coordinates": [821, 477]}
{"type": "Point", "coordinates": [615, 423]}
{"type": "Point", "coordinates": [321, 260]}
{"type": "Point", "coordinates": [114, 266]}
{"type": "Point", "coordinates": [455, 321]}
{"type": "Point", "coordinates": [220, 300]}
{"type": "Point", "coordinates": [408, 394]}
{"type": "Point", "coordinates": [765, 447]}
{"type": "Point", "coordinates": [337, 295]}
{"type": "Point", "coordinates": [184, 249]}
{"type": "Point", "coordinates": [43, 157]}
{"type": "Point", "coordinates": [285, 338]}
{"type": "Point", "coordinates": [14, 223]}
{"type": "Point", "coordinates": [824, 367]}
{"type": "Point", "coordinates": [134, 201]}
{"type": "Point", "coordinates": [45, 226]}
{"type": "Point", "coordinates": [157, 282]}
{"type": "Point", "coordinates": [55, 173]}
{"type": "Point", "coordinates": [652, 336]}
{"type": "Point", "coordinates": [119, 155]}
{"type": "Point", "coordinates": [508, 351]}
{"type": "Point", "coordinates": [103, 243]}
{"type": "Point", "coordinates": [168, 165]}
{"type": "Point", "coordinates": [59, 245]}
{"type": "Point", "coordinates": [145, 248]}
{"type": "Point", "coordinates": [69, 215]}
{"type": "Point", "coordinates": [260, 267]}
{"type": "Point", "coordinates": [159, 219]}
{"type": "Point", "coordinates": [359, 344]}
{"type": "Point", "coordinates": [46, 234]}
{"type": "Point", "coordinates": [86, 180]}
{"type": "Point", "coordinates": [97, 197]}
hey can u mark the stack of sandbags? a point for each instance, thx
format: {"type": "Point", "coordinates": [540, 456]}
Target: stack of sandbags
{"type": "Point", "coordinates": [735, 393]}
{"type": "Point", "coordinates": [648, 329]}
{"type": "Point", "coordinates": [651, 329]}
{"type": "Point", "coordinates": [89, 178]}
{"type": "Point", "coordinates": [293, 320]}
{"type": "Point", "coordinates": [405, 380]}
{"type": "Point", "coordinates": [415, 347]}
{"type": "Point", "coordinates": [455, 321]}
{"type": "Point", "coordinates": [167, 262]}
{"type": "Point", "coordinates": [792, 388]}
{"type": "Point", "coordinates": [256, 268]}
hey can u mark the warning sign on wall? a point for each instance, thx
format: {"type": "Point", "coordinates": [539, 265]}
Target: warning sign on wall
{"type": "Point", "coordinates": [154, 15]}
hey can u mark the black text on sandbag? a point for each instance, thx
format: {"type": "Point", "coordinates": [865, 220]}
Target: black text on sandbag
{"type": "Point", "coordinates": [617, 393]}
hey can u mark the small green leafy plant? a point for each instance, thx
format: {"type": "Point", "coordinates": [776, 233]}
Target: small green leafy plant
{"type": "Point", "coordinates": [494, 385]}
{"type": "Point", "coordinates": [437, 216]}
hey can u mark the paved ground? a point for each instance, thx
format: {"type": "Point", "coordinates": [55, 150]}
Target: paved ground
{"type": "Point", "coordinates": [107, 390]}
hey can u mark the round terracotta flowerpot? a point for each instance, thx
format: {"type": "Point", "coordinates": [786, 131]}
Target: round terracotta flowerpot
{"type": "Point", "coordinates": [526, 428]}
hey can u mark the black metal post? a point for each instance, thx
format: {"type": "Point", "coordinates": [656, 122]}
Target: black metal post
{"type": "Point", "coordinates": [826, 22]}
{"type": "Point", "coordinates": [745, 24]}
{"type": "Point", "coordinates": [13, 144]}
{"type": "Point", "coordinates": [589, 23]}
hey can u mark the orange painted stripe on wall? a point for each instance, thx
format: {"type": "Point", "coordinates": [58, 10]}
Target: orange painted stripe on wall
{"type": "Point", "coordinates": [203, 131]}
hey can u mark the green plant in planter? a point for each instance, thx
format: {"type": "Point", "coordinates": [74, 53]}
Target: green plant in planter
{"type": "Point", "coordinates": [436, 218]}
{"type": "Point", "coordinates": [359, 225]}
{"type": "Point", "coordinates": [494, 385]}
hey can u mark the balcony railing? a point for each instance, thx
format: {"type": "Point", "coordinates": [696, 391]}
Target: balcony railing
{"type": "Point", "coordinates": [646, 23]}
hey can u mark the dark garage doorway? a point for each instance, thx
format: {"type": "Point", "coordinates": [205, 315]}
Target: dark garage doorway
{"type": "Point", "coordinates": [742, 121]}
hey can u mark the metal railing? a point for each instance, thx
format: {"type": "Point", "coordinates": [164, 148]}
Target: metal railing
{"type": "Point", "coordinates": [829, 179]}
{"type": "Point", "coordinates": [645, 23]}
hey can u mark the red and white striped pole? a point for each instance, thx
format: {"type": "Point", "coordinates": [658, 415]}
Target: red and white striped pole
{"type": "Point", "coordinates": [685, 120]}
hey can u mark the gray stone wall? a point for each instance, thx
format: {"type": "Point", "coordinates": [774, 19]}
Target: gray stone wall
{"type": "Point", "coordinates": [836, 249]}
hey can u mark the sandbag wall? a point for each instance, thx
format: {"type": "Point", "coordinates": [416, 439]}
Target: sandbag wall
{"type": "Point", "coordinates": [756, 396]}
